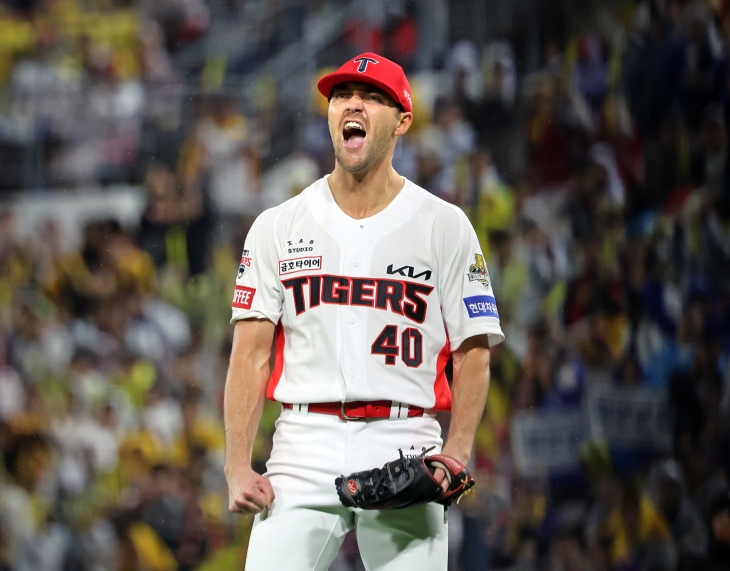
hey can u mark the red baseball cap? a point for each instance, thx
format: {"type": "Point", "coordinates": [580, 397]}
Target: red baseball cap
{"type": "Point", "coordinates": [376, 70]}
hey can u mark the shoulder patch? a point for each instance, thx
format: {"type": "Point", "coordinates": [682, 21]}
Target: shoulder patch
{"type": "Point", "coordinates": [245, 264]}
{"type": "Point", "coordinates": [478, 271]}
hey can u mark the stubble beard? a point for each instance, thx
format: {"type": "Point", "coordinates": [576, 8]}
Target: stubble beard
{"type": "Point", "coordinates": [374, 151]}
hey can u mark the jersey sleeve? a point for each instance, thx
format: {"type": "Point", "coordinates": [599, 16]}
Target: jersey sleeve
{"type": "Point", "coordinates": [258, 292]}
{"type": "Point", "coordinates": [467, 300]}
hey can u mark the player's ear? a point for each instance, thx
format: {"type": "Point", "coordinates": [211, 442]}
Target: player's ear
{"type": "Point", "coordinates": [405, 119]}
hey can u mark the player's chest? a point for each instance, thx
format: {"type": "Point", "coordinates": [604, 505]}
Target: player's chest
{"type": "Point", "coordinates": [360, 267]}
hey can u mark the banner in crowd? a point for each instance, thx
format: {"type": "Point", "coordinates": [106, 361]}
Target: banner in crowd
{"type": "Point", "coordinates": [545, 442]}
{"type": "Point", "coordinates": [625, 418]}
{"type": "Point", "coordinates": [628, 418]}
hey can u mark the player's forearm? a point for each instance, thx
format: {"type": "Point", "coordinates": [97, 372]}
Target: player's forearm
{"type": "Point", "coordinates": [244, 396]}
{"type": "Point", "coordinates": [469, 395]}
{"type": "Point", "coordinates": [243, 405]}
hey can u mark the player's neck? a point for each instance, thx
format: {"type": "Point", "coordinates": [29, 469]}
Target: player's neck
{"type": "Point", "coordinates": [362, 197]}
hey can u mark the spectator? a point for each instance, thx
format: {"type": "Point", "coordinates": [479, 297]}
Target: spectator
{"type": "Point", "coordinates": [719, 524]}
{"type": "Point", "coordinates": [709, 161]}
{"type": "Point", "coordinates": [638, 536]}
{"type": "Point", "coordinates": [684, 518]}
{"type": "Point", "coordinates": [590, 73]}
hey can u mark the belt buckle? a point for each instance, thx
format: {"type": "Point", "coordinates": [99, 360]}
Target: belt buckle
{"type": "Point", "coordinates": [343, 416]}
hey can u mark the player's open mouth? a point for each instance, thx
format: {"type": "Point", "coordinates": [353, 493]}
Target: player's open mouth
{"type": "Point", "coordinates": [353, 134]}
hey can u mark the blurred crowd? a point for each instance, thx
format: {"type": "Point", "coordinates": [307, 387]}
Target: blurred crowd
{"type": "Point", "coordinates": [608, 249]}
{"type": "Point", "coordinates": [80, 78]}
{"type": "Point", "coordinates": [599, 186]}
{"type": "Point", "coordinates": [92, 90]}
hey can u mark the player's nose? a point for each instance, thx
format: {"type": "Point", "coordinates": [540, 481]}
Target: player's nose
{"type": "Point", "coordinates": [354, 103]}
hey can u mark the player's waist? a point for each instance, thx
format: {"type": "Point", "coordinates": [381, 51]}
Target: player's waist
{"type": "Point", "coordinates": [362, 410]}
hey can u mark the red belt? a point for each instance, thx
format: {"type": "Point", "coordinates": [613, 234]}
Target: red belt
{"type": "Point", "coordinates": [357, 410]}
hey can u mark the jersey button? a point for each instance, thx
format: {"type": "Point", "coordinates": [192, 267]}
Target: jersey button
{"type": "Point", "coordinates": [356, 263]}
{"type": "Point", "coordinates": [352, 320]}
{"type": "Point", "coordinates": [352, 372]}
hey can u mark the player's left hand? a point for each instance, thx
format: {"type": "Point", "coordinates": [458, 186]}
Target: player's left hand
{"type": "Point", "coordinates": [406, 482]}
{"type": "Point", "coordinates": [439, 475]}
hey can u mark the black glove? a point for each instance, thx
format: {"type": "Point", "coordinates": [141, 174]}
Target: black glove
{"type": "Point", "coordinates": [404, 483]}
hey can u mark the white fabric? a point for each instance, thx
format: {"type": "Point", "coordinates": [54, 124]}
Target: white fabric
{"type": "Point", "coordinates": [398, 411]}
{"type": "Point", "coordinates": [418, 241]}
{"type": "Point", "coordinates": [302, 408]}
{"type": "Point", "coordinates": [307, 523]}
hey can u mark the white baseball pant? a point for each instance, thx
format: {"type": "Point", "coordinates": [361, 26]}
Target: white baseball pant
{"type": "Point", "coordinates": [306, 524]}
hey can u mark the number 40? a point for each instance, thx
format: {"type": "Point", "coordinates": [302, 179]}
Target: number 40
{"type": "Point", "coordinates": [410, 349]}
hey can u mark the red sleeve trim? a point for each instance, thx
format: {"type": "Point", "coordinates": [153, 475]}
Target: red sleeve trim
{"type": "Point", "coordinates": [278, 362]}
{"type": "Point", "coordinates": [441, 384]}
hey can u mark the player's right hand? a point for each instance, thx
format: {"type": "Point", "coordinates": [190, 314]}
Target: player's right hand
{"type": "Point", "coordinates": [249, 493]}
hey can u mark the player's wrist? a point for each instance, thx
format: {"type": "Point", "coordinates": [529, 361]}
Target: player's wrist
{"type": "Point", "coordinates": [460, 454]}
{"type": "Point", "coordinates": [232, 469]}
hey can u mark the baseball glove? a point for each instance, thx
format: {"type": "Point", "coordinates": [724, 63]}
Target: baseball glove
{"type": "Point", "coordinates": [404, 483]}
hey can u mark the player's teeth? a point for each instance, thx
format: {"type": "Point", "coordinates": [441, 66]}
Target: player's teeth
{"type": "Point", "coordinates": [353, 126]}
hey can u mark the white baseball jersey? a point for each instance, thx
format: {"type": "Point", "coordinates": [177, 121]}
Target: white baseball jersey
{"type": "Point", "coordinates": [365, 309]}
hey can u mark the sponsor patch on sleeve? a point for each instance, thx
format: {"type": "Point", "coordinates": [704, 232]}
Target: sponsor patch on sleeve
{"type": "Point", "coordinates": [295, 265]}
{"type": "Point", "coordinates": [245, 264]}
{"type": "Point", "coordinates": [481, 306]}
{"type": "Point", "coordinates": [243, 297]}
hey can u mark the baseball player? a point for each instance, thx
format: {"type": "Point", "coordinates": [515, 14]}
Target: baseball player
{"type": "Point", "coordinates": [368, 284]}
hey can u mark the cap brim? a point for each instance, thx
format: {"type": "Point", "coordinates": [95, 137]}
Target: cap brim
{"type": "Point", "coordinates": [328, 82]}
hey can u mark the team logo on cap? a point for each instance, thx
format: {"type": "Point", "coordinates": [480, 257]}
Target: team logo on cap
{"type": "Point", "coordinates": [407, 96]}
{"type": "Point", "coordinates": [363, 63]}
